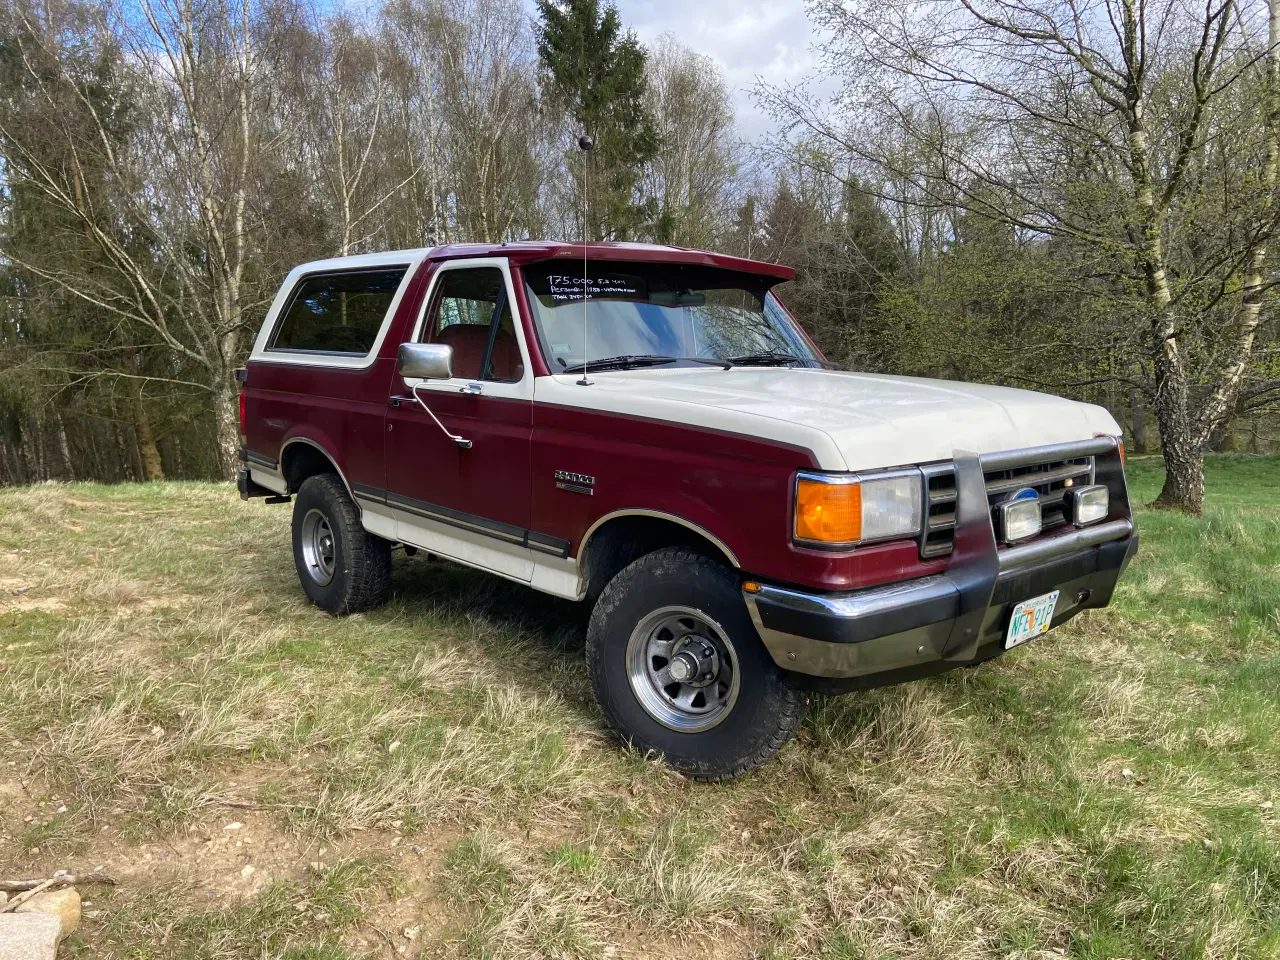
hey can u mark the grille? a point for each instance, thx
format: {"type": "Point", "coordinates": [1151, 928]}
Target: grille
{"type": "Point", "coordinates": [1048, 478]}
{"type": "Point", "coordinates": [940, 510]}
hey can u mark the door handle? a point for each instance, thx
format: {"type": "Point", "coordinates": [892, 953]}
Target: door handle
{"type": "Point", "coordinates": [473, 388]}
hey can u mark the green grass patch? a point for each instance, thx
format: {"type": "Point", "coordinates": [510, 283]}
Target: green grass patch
{"type": "Point", "coordinates": [1108, 791]}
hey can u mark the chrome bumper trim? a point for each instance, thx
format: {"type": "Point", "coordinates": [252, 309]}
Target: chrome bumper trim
{"type": "Point", "coordinates": [1007, 459]}
{"type": "Point", "coordinates": [1013, 557]}
{"type": "Point", "coordinates": [865, 605]}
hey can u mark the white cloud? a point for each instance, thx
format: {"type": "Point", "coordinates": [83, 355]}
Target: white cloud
{"type": "Point", "coordinates": [749, 39]}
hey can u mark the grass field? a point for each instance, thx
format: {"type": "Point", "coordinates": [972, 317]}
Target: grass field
{"type": "Point", "coordinates": [432, 779]}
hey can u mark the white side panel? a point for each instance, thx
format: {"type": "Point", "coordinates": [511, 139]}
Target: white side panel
{"type": "Point", "coordinates": [269, 479]}
{"type": "Point", "coordinates": [558, 576]}
{"type": "Point", "coordinates": [513, 561]}
{"type": "Point", "coordinates": [378, 519]}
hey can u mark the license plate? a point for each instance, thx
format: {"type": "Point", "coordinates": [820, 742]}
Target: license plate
{"type": "Point", "coordinates": [1030, 619]}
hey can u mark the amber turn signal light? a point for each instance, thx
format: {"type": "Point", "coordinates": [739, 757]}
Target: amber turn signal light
{"type": "Point", "coordinates": [828, 512]}
{"type": "Point", "coordinates": [1119, 444]}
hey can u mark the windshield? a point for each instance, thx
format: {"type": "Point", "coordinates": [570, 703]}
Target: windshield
{"type": "Point", "coordinates": [645, 313]}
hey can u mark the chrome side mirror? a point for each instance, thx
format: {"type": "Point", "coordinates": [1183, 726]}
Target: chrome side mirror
{"type": "Point", "coordinates": [427, 361]}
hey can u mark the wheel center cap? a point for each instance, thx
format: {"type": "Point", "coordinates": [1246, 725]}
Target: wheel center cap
{"type": "Point", "coordinates": [695, 662]}
{"type": "Point", "coordinates": [683, 667]}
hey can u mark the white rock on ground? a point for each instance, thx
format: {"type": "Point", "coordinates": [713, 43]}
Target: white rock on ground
{"type": "Point", "coordinates": [63, 904]}
{"type": "Point", "coordinates": [29, 936]}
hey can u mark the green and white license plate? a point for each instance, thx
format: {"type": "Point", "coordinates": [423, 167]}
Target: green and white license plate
{"type": "Point", "coordinates": [1030, 619]}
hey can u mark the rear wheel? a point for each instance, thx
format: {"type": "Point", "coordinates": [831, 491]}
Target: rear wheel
{"type": "Point", "coordinates": [343, 568]}
{"type": "Point", "coordinates": [678, 668]}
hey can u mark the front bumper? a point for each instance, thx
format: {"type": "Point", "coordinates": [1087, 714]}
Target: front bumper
{"type": "Point", "coordinates": [956, 618]}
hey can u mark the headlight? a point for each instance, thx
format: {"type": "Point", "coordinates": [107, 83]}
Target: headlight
{"type": "Point", "coordinates": [1019, 517]}
{"type": "Point", "coordinates": [846, 509]}
{"type": "Point", "coordinates": [1085, 505]}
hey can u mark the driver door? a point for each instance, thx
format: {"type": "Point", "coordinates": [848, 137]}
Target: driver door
{"type": "Point", "coordinates": [471, 504]}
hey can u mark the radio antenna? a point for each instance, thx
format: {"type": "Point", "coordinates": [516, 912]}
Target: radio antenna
{"type": "Point", "coordinates": [586, 145]}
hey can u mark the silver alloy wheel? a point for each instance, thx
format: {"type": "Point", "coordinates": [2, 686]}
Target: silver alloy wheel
{"type": "Point", "coordinates": [317, 547]}
{"type": "Point", "coordinates": [683, 669]}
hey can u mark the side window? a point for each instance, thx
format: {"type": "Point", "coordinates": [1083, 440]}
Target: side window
{"type": "Point", "coordinates": [338, 312]}
{"type": "Point", "coordinates": [472, 315]}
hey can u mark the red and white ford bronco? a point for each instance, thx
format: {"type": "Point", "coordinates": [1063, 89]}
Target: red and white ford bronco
{"type": "Point", "coordinates": [648, 429]}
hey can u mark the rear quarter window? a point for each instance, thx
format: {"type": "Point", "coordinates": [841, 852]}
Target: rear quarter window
{"type": "Point", "coordinates": [337, 313]}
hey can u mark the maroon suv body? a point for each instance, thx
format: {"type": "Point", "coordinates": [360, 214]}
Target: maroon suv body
{"type": "Point", "coordinates": [648, 428]}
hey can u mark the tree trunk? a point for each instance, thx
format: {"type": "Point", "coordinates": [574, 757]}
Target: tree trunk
{"type": "Point", "coordinates": [152, 468]}
{"type": "Point", "coordinates": [67, 463]}
{"type": "Point", "coordinates": [1184, 464]}
{"type": "Point", "coordinates": [129, 465]}
{"type": "Point", "coordinates": [226, 409]}
{"type": "Point", "coordinates": [1183, 460]}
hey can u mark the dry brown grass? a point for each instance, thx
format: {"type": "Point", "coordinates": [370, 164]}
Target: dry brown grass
{"type": "Point", "coordinates": [437, 767]}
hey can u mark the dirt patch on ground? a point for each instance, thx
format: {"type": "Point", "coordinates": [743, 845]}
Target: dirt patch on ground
{"type": "Point", "coordinates": [16, 597]}
{"type": "Point", "coordinates": [227, 857]}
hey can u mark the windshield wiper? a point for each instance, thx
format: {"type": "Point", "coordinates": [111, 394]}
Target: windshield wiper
{"type": "Point", "coordinates": [626, 361]}
{"type": "Point", "coordinates": [777, 360]}
{"type": "Point", "coordinates": [766, 360]}
{"type": "Point", "coordinates": [623, 362]}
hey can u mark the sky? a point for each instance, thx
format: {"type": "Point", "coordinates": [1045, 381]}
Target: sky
{"type": "Point", "coordinates": [769, 39]}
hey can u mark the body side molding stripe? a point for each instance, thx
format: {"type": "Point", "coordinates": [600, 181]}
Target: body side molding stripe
{"type": "Point", "coordinates": [457, 518]}
{"type": "Point", "coordinates": [540, 542]}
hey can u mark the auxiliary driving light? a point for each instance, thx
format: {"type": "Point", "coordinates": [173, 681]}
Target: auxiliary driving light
{"type": "Point", "coordinates": [1085, 505]}
{"type": "Point", "coordinates": [1019, 516]}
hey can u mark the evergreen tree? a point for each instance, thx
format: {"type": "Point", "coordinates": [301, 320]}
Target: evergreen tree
{"type": "Point", "coordinates": [596, 73]}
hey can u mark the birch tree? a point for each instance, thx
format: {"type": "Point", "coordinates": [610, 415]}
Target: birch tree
{"type": "Point", "coordinates": [690, 175]}
{"type": "Point", "coordinates": [1093, 121]}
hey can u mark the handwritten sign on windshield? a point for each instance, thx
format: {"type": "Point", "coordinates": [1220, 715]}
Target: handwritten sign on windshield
{"type": "Point", "coordinates": [564, 288]}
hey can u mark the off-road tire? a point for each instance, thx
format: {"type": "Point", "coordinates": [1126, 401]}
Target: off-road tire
{"type": "Point", "coordinates": [767, 711]}
{"type": "Point", "coordinates": [361, 573]}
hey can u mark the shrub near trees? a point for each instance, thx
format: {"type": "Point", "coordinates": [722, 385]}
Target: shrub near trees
{"type": "Point", "coordinates": [1078, 198]}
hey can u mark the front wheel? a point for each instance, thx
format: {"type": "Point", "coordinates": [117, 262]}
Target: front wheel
{"type": "Point", "coordinates": [678, 668]}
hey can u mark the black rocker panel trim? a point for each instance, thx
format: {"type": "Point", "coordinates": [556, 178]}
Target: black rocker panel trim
{"type": "Point", "coordinates": [540, 542]}
{"type": "Point", "coordinates": [543, 543]}
{"type": "Point", "coordinates": [366, 492]}
{"type": "Point", "coordinates": [262, 460]}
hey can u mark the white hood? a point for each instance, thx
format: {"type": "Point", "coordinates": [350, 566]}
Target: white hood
{"type": "Point", "coordinates": [851, 421]}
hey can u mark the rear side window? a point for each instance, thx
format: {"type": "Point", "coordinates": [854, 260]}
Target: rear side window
{"type": "Point", "coordinates": [338, 312]}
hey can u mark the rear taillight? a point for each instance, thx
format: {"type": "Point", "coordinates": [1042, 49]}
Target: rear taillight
{"type": "Point", "coordinates": [243, 422]}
